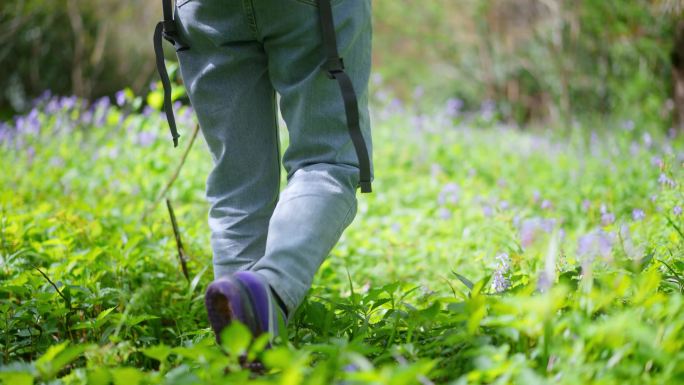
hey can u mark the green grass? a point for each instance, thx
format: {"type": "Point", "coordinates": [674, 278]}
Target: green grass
{"type": "Point", "coordinates": [484, 256]}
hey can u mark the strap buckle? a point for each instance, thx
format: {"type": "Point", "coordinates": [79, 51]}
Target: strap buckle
{"type": "Point", "coordinates": [169, 31]}
{"type": "Point", "coordinates": [333, 65]}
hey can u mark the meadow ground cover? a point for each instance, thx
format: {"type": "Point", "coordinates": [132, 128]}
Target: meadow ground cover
{"type": "Point", "coordinates": [485, 255]}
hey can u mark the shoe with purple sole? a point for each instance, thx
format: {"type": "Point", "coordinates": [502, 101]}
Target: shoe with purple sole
{"type": "Point", "coordinates": [247, 298]}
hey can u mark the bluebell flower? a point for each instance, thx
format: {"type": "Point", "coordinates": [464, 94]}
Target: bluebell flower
{"type": "Point", "coordinates": [664, 180]}
{"type": "Point", "coordinates": [487, 109]}
{"type": "Point", "coordinates": [418, 92]}
{"type": "Point", "coordinates": [531, 228]}
{"type": "Point", "coordinates": [606, 217]}
{"type": "Point", "coordinates": [444, 213]}
{"type": "Point", "coordinates": [638, 214]}
{"type": "Point", "coordinates": [657, 161]}
{"type": "Point", "coordinates": [647, 139]}
{"type": "Point", "coordinates": [594, 244]}
{"type": "Point", "coordinates": [586, 204]}
{"type": "Point", "coordinates": [500, 280]}
{"type": "Point", "coordinates": [67, 102]}
{"type": "Point", "coordinates": [453, 107]}
{"type": "Point", "coordinates": [146, 138]}
{"type": "Point", "coordinates": [450, 194]}
{"type": "Point", "coordinates": [628, 125]}
{"type": "Point", "coordinates": [147, 111]}
{"type": "Point", "coordinates": [487, 211]}
{"type": "Point", "coordinates": [52, 106]}
{"type": "Point", "coordinates": [120, 97]}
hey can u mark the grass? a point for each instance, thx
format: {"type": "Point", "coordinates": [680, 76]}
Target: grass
{"type": "Point", "coordinates": [485, 255]}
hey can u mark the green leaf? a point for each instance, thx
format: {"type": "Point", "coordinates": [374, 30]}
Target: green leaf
{"type": "Point", "coordinates": [235, 338]}
{"type": "Point", "coordinates": [16, 378]}
{"type": "Point", "coordinates": [159, 352]}
{"type": "Point", "coordinates": [464, 280]}
{"type": "Point", "coordinates": [127, 376]}
{"type": "Point", "coordinates": [57, 357]}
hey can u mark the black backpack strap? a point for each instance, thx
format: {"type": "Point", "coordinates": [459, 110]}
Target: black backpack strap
{"type": "Point", "coordinates": [334, 65]}
{"type": "Point", "coordinates": [166, 29]}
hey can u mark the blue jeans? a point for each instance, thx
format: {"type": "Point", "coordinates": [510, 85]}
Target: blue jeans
{"type": "Point", "coordinates": [241, 52]}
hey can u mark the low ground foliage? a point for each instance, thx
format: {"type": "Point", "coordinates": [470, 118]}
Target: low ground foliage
{"type": "Point", "coordinates": [485, 255]}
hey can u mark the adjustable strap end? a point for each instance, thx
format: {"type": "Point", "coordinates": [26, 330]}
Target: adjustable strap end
{"type": "Point", "coordinates": [175, 140]}
{"type": "Point", "coordinates": [366, 186]}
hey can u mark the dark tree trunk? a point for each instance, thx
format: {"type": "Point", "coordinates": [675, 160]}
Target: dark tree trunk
{"type": "Point", "coordinates": [678, 77]}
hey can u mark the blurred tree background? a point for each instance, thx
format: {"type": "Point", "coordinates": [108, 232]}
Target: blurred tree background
{"type": "Point", "coordinates": [536, 61]}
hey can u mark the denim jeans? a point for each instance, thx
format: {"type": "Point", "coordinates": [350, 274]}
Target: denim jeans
{"type": "Point", "coordinates": [241, 52]}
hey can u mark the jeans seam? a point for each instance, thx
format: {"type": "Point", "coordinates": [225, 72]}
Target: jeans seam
{"type": "Point", "coordinates": [277, 141]}
{"type": "Point", "coordinates": [248, 7]}
{"type": "Point", "coordinates": [344, 221]}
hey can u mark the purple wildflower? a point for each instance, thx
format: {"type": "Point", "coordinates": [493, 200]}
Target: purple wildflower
{"type": "Point", "coordinates": [606, 216]}
{"type": "Point", "coordinates": [487, 211]}
{"type": "Point", "coordinates": [146, 138]}
{"type": "Point", "coordinates": [595, 244]}
{"type": "Point", "coordinates": [677, 210]}
{"type": "Point", "coordinates": [546, 204]}
{"type": "Point", "coordinates": [530, 229]}
{"type": "Point", "coordinates": [499, 280]}
{"type": "Point", "coordinates": [87, 117]}
{"type": "Point", "coordinates": [147, 111]}
{"type": "Point", "coordinates": [536, 196]}
{"type": "Point", "coordinates": [52, 106]}
{"type": "Point", "coordinates": [453, 106]}
{"type": "Point", "coordinates": [647, 139]}
{"type": "Point", "coordinates": [444, 213]}
{"type": "Point", "coordinates": [395, 105]}
{"type": "Point", "coordinates": [657, 161]}
{"type": "Point", "coordinates": [671, 133]}
{"type": "Point", "coordinates": [418, 92]}
{"type": "Point", "coordinates": [450, 194]}
{"type": "Point", "coordinates": [435, 170]}
{"type": "Point", "coordinates": [56, 162]}
{"type": "Point", "coordinates": [67, 102]}
{"type": "Point", "coordinates": [418, 121]}
{"type": "Point", "coordinates": [594, 139]}
{"type": "Point", "coordinates": [487, 109]}
{"type": "Point", "coordinates": [628, 125]}
{"type": "Point", "coordinates": [638, 214]}
{"type": "Point", "coordinates": [44, 97]}
{"type": "Point", "coordinates": [5, 133]}
{"type": "Point", "coordinates": [120, 97]}
{"type": "Point", "coordinates": [586, 204]}
{"type": "Point", "coordinates": [664, 180]}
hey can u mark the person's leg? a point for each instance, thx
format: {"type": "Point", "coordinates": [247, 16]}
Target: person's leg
{"type": "Point", "coordinates": [319, 201]}
{"type": "Point", "coordinates": [225, 71]}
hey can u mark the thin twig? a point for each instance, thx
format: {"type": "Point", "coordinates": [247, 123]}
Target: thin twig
{"type": "Point", "coordinates": [174, 176]}
{"type": "Point", "coordinates": [179, 244]}
{"type": "Point", "coordinates": [66, 301]}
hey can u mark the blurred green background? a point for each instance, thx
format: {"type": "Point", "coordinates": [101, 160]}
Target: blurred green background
{"type": "Point", "coordinates": [531, 62]}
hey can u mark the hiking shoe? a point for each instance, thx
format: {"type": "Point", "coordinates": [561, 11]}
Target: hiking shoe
{"type": "Point", "coordinates": [245, 297]}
